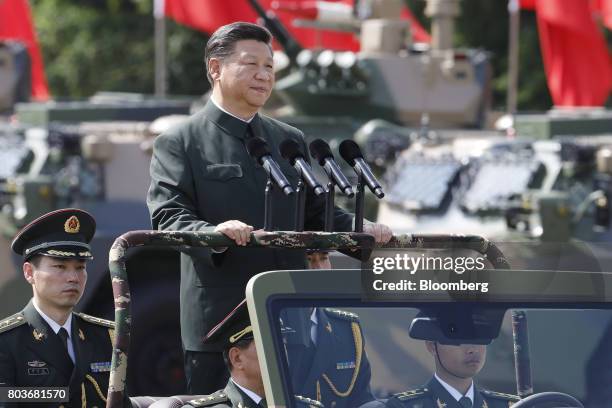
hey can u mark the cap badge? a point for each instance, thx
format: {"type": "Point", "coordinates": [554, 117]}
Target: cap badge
{"type": "Point", "coordinates": [72, 225]}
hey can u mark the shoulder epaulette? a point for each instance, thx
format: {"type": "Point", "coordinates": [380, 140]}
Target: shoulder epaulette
{"type": "Point", "coordinates": [342, 314]}
{"type": "Point", "coordinates": [309, 401]}
{"type": "Point", "coordinates": [407, 395]}
{"type": "Point", "coordinates": [212, 399]}
{"type": "Point", "coordinates": [500, 395]}
{"type": "Point", "coordinates": [96, 320]}
{"type": "Point", "coordinates": [11, 322]}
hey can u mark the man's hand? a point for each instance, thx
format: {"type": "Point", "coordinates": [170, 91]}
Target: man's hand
{"type": "Point", "coordinates": [382, 233]}
{"type": "Point", "coordinates": [236, 230]}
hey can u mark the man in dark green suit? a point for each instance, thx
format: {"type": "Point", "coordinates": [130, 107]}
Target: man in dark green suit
{"type": "Point", "coordinates": [202, 179]}
{"type": "Point", "coordinates": [47, 344]}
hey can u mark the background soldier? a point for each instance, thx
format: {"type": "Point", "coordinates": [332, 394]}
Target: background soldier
{"type": "Point", "coordinates": [459, 356]}
{"type": "Point", "coordinates": [326, 351]}
{"type": "Point", "coordinates": [47, 344]}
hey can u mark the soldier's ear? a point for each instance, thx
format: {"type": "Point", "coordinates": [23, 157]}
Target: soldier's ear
{"type": "Point", "coordinates": [431, 347]}
{"type": "Point", "coordinates": [234, 356]}
{"type": "Point", "coordinates": [28, 272]}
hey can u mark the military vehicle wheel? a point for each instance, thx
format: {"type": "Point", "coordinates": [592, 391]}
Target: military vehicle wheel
{"type": "Point", "coordinates": [544, 399]}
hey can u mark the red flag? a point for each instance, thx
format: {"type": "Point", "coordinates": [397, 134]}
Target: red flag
{"type": "Point", "coordinates": [604, 10]}
{"type": "Point", "coordinates": [208, 15]}
{"type": "Point", "coordinates": [418, 32]}
{"type": "Point", "coordinates": [576, 58]}
{"type": "Point", "coordinates": [16, 24]}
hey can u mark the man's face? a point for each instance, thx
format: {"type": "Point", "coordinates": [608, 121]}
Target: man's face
{"type": "Point", "coordinates": [56, 282]}
{"type": "Point", "coordinates": [245, 78]}
{"type": "Point", "coordinates": [319, 260]}
{"type": "Point", "coordinates": [245, 360]}
{"type": "Point", "coordinates": [464, 361]}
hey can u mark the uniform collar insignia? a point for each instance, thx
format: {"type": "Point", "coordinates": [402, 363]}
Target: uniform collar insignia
{"type": "Point", "coordinates": [38, 335]}
{"type": "Point", "coordinates": [328, 327]}
{"type": "Point", "coordinates": [440, 403]}
{"type": "Point", "coordinates": [484, 404]}
{"type": "Point", "coordinates": [81, 335]}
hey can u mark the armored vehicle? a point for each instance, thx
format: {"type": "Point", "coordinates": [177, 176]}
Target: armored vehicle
{"type": "Point", "coordinates": [333, 94]}
{"type": "Point", "coordinates": [95, 156]}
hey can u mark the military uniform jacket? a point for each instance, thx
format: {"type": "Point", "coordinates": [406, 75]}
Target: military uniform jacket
{"type": "Point", "coordinates": [338, 372]}
{"type": "Point", "coordinates": [32, 355]}
{"type": "Point", "coordinates": [201, 176]}
{"type": "Point", "coordinates": [434, 395]}
{"type": "Point", "coordinates": [233, 397]}
{"type": "Point", "coordinates": [229, 397]}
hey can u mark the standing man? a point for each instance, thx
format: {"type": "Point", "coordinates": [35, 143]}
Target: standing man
{"type": "Point", "coordinates": [202, 179]}
{"type": "Point", "coordinates": [47, 344]}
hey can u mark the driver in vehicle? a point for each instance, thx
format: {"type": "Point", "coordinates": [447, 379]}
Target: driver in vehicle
{"type": "Point", "coordinates": [460, 354]}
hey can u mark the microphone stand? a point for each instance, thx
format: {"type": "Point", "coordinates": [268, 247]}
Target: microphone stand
{"type": "Point", "coordinates": [268, 205]}
{"type": "Point", "coordinates": [359, 202]}
{"type": "Point", "coordinates": [300, 206]}
{"type": "Point", "coordinates": [329, 206]}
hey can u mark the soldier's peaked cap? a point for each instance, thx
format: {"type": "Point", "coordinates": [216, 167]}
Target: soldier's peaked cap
{"type": "Point", "coordinates": [457, 325]}
{"type": "Point", "coordinates": [64, 233]}
{"type": "Point", "coordinates": [234, 327]}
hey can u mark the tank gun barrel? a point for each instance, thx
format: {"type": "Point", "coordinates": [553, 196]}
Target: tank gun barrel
{"type": "Point", "coordinates": [271, 22]}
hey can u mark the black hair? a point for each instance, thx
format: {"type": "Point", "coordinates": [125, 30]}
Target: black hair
{"type": "Point", "coordinates": [222, 43]}
{"type": "Point", "coordinates": [35, 260]}
{"type": "Point", "coordinates": [242, 345]}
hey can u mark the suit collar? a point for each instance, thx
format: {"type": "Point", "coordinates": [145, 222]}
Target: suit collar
{"type": "Point", "coordinates": [238, 397]}
{"type": "Point", "coordinates": [44, 342]}
{"type": "Point", "coordinates": [230, 124]}
{"type": "Point", "coordinates": [447, 400]}
{"type": "Point", "coordinates": [52, 323]}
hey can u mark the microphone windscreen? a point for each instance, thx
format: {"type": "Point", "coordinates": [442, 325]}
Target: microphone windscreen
{"type": "Point", "coordinates": [349, 150]}
{"type": "Point", "coordinates": [290, 150]}
{"type": "Point", "coordinates": [319, 150]}
{"type": "Point", "coordinates": [257, 148]}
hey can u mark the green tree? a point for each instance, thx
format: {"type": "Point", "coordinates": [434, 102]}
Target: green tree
{"type": "Point", "coordinates": [93, 46]}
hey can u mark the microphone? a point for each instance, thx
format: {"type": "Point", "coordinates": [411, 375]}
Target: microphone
{"type": "Point", "coordinates": [258, 149]}
{"type": "Point", "coordinates": [290, 150]}
{"type": "Point", "coordinates": [320, 151]}
{"type": "Point", "coordinates": [350, 151]}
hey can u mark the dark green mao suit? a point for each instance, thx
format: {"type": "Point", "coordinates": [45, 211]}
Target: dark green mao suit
{"type": "Point", "coordinates": [201, 176]}
{"type": "Point", "coordinates": [32, 355]}
{"type": "Point", "coordinates": [336, 371]}
{"type": "Point", "coordinates": [434, 395]}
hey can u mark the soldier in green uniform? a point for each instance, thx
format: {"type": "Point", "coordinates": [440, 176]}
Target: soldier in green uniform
{"type": "Point", "coordinates": [245, 387]}
{"type": "Point", "coordinates": [203, 179]}
{"type": "Point", "coordinates": [326, 351]}
{"type": "Point", "coordinates": [47, 344]}
{"type": "Point", "coordinates": [459, 355]}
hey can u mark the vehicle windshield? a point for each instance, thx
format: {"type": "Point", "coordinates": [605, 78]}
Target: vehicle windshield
{"type": "Point", "coordinates": [560, 322]}
{"type": "Point", "coordinates": [568, 349]}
